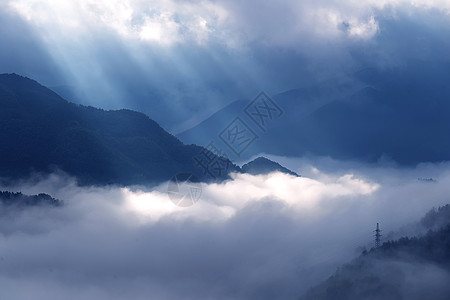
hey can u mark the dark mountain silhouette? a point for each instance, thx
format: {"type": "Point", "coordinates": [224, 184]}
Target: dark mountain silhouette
{"type": "Point", "coordinates": [401, 113]}
{"type": "Point", "coordinates": [21, 200]}
{"type": "Point", "coordinates": [407, 268]}
{"type": "Point", "coordinates": [41, 132]}
{"type": "Point", "coordinates": [262, 165]}
{"type": "Point", "coordinates": [281, 135]}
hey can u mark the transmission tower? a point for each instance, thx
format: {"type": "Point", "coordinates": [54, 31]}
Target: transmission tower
{"type": "Point", "coordinates": [377, 236]}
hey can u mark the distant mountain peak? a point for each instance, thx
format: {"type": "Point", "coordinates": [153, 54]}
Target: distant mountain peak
{"type": "Point", "coordinates": [263, 165]}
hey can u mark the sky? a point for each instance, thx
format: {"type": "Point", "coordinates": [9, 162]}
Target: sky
{"type": "Point", "coordinates": [179, 61]}
{"type": "Point", "coordinates": [252, 237]}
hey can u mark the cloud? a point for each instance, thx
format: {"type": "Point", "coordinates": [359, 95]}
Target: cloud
{"type": "Point", "coordinates": [167, 22]}
{"type": "Point", "coordinates": [256, 237]}
{"type": "Point", "coordinates": [180, 61]}
{"type": "Point", "coordinates": [162, 22]}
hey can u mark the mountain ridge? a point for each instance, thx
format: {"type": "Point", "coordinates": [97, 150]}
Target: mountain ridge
{"type": "Point", "coordinates": [40, 131]}
{"type": "Point", "coordinates": [399, 113]}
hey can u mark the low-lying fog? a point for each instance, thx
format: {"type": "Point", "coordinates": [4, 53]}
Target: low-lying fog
{"type": "Point", "coordinates": [252, 237]}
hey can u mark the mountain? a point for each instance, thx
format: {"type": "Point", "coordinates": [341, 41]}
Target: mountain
{"type": "Point", "coordinates": [41, 132]}
{"type": "Point", "coordinates": [262, 165]}
{"type": "Point", "coordinates": [279, 136]}
{"type": "Point", "coordinates": [407, 268]}
{"type": "Point", "coordinates": [400, 113]}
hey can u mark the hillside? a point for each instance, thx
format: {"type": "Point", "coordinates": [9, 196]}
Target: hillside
{"type": "Point", "coordinates": [407, 268]}
{"type": "Point", "coordinates": [41, 132]}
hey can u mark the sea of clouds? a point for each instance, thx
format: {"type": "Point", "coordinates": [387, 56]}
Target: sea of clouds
{"type": "Point", "coordinates": [252, 237]}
